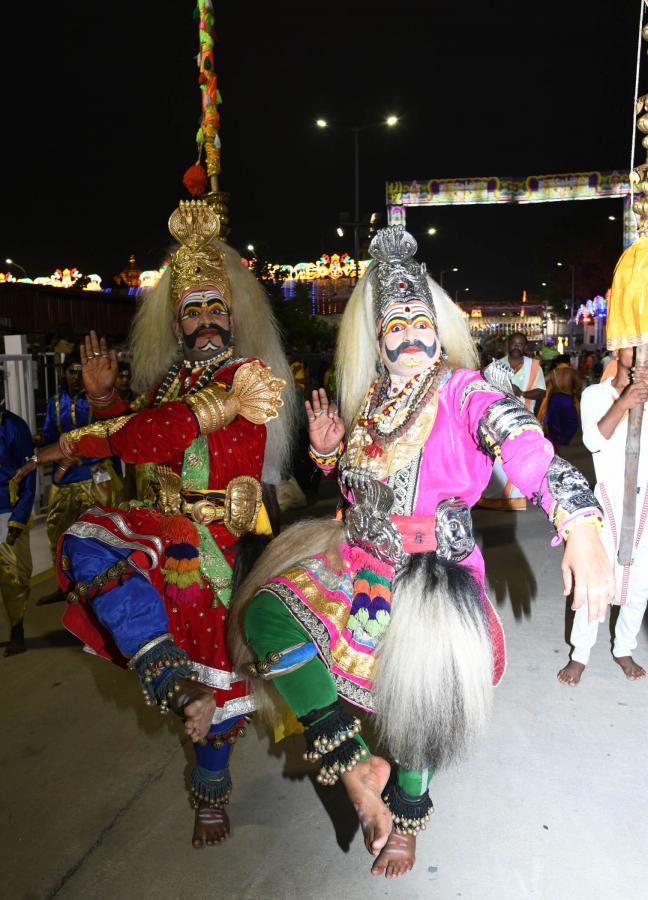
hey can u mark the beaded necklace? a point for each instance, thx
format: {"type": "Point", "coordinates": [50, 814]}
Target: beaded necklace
{"type": "Point", "coordinates": [171, 381]}
{"type": "Point", "coordinates": [378, 413]}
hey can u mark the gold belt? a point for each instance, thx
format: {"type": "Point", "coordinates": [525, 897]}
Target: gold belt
{"type": "Point", "coordinates": [236, 507]}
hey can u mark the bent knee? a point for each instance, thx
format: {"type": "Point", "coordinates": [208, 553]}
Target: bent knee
{"type": "Point", "coordinates": [269, 626]}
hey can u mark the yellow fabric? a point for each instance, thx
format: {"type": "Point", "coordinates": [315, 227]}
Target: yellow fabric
{"type": "Point", "coordinates": [263, 525]}
{"type": "Point", "coordinates": [289, 724]}
{"type": "Point", "coordinates": [15, 577]}
{"type": "Point", "coordinates": [13, 491]}
{"type": "Point", "coordinates": [65, 504]}
{"type": "Point", "coordinates": [627, 321]}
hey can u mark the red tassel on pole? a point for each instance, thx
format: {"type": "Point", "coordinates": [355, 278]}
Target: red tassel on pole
{"type": "Point", "coordinates": [195, 180]}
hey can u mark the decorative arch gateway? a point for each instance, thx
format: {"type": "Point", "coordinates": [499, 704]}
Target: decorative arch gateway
{"type": "Point", "coordinates": [533, 189]}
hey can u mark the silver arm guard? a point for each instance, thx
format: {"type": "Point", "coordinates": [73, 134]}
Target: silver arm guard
{"type": "Point", "coordinates": [569, 487]}
{"type": "Point", "coordinates": [504, 419]}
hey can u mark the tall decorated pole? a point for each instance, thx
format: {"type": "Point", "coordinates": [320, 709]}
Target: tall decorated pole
{"type": "Point", "coordinates": [628, 321]}
{"type": "Point", "coordinates": [198, 181]}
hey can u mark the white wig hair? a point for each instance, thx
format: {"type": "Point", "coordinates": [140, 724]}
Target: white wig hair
{"type": "Point", "coordinates": [358, 355]}
{"type": "Point", "coordinates": [256, 335]}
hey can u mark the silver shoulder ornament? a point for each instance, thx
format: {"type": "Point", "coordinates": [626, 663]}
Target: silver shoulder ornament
{"type": "Point", "coordinates": [496, 379]}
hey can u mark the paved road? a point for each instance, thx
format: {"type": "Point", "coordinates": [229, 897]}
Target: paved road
{"type": "Point", "coordinates": [552, 806]}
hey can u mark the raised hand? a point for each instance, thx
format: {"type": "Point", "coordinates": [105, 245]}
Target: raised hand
{"type": "Point", "coordinates": [99, 366]}
{"type": "Point", "coordinates": [325, 427]}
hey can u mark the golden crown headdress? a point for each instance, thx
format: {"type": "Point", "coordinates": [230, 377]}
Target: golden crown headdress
{"type": "Point", "coordinates": [197, 263]}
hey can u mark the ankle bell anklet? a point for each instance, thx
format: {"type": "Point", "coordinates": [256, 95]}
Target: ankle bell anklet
{"type": "Point", "coordinates": [331, 740]}
{"type": "Point", "coordinates": [409, 814]}
{"type": "Point", "coordinates": [212, 788]}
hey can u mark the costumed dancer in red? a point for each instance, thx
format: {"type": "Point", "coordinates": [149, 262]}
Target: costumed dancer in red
{"type": "Point", "coordinates": [150, 587]}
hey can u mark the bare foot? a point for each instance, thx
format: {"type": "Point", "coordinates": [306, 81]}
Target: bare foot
{"type": "Point", "coordinates": [396, 857]}
{"type": "Point", "coordinates": [16, 643]}
{"type": "Point", "coordinates": [364, 784]}
{"type": "Point", "coordinates": [571, 674]}
{"type": "Point", "coordinates": [211, 827]}
{"type": "Point", "coordinates": [632, 670]}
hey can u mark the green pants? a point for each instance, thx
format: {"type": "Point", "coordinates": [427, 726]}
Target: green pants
{"type": "Point", "coordinates": [269, 627]}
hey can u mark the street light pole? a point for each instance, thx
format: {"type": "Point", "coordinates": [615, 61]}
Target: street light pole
{"type": "Point", "coordinates": [573, 303]}
{"type": "Point", "coordinates": [356, 215]}
{"type": "Point", "coordinates": [573, 297]}
{"type": "Point", "coordinates": [445, 272]}
{"type": "Point", "coordinates": [356, 129]}
{"type": "Point", "coordinates": [11, 262]}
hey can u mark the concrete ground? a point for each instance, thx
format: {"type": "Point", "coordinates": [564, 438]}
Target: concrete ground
{"type": "Point", "coordinates": [552, 806]}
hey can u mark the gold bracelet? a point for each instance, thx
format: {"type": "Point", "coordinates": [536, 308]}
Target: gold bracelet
{"type": "Point", "coordinates": [327, 460]}
{"type": "Point", "coordinates": [209, 407]}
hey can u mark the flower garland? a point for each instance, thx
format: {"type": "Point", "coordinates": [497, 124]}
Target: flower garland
{"type": "Point", "coordinates": [207, 138]}
{"type": "Point", "coordinates": [165, 389]}
{"type": "Point", "coordinates": [379, 412]}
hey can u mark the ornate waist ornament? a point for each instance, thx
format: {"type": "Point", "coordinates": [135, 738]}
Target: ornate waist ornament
{"type": "Point", "coordinates": [237, 510]}
{"type": "Point", "coordinates": [237, 507]}
{"type": "Point", "coordinates": [368, 521]}
{"type": "Point", "coordinates": [453, 530]}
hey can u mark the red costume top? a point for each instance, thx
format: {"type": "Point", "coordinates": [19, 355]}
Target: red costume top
{"type": "Point", "coordinates": [196, 607]}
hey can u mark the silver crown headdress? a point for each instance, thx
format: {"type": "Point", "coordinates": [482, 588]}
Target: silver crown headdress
{"type": "Point", "coordinates": [397, 277]}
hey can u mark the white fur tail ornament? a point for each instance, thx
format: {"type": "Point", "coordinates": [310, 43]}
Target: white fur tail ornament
{"type": "Point", "coordinates": [433, 687]}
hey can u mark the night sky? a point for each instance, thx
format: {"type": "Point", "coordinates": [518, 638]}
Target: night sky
{"type": "Point", "coordinates": [101, 106]}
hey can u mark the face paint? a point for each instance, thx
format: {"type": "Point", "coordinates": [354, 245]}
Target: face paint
{"type": "Point", "coordinates": [204, 320]}
{"type": "Point", "coordinates": [408, 338]}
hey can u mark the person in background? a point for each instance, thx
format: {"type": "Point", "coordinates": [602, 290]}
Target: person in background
{"type": "Point", "coordinates": [604, 413]}
{"type": "Point", "coordinates": [529, 386]}
{"type": "Point", "coordinates": [16, 503]}
{"type": "Point", "coordinates": [76, 484]}
{"type": "Point", "coordinates": [123, 381]}
{"type": "Point", "coordinates": [560, 408]}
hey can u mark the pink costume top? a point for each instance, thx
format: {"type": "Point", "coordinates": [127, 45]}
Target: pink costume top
{"type": "Point", "coordinates": [447, 452]}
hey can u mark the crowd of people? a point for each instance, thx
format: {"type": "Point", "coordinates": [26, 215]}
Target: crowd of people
{"type": "Point", "coordinates": [164, 522]}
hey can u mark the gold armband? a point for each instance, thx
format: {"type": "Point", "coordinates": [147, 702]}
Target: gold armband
{"type": "Point", "coordinates": [255, 395]}
{"type": "Point", "coordinates": [213, 407]}
{"type": "Point", "coordinates": [101, 429]}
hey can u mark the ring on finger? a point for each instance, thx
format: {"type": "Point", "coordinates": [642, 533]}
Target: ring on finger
{"type": "Point", "coordinates": [318, 413]}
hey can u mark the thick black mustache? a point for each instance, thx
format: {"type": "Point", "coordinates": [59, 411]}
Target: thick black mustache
{"type": "Point", "coordinates": [392, 355]}
{"type": "Point", "coordinates": [190, 339]}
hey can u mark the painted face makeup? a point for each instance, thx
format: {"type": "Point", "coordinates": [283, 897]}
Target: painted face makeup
{"type": "Point", "coordinates": [408, 338]}
{"type": "Point", "coordinates": [205, 323]}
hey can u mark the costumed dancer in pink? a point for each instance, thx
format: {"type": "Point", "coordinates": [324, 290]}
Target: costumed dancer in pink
{"type": "Point", "coordinates": [386, 607]}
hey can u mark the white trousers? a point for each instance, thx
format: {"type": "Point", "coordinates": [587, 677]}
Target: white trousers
{"type": "Point", "coordinates": [583, 634]}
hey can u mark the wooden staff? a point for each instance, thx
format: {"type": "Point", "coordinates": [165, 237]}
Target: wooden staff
{"type": "Point", "coordinates": [628, 325]}
{"type": "Point", "coordinates": [630, 487]}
